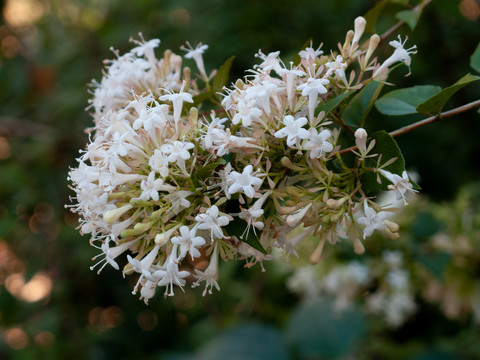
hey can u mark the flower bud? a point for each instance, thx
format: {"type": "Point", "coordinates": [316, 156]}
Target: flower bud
{"type": "Point", "coordinates": [358, 246]}
{"type": "Point", "coordinates": [393, 227]}
{"type": "Point", "coordinates": [372, 46]}
{"type": "Point", "coordinates": [317, 253]}
{"type": "Point", "coordinates": [113, 215]}
{"type": "Point", "coordinates": [360, 23]}
{"type": "Point", "coordinates": [361, 141]}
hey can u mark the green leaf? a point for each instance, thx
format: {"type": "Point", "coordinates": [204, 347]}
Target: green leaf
{"type": "Point", "coordinates": [405, 101]}
{"type": "Point", "coordinates": [220, 80]}
{"type": "Point", "coordinates": [372, 15]}
{"type": "Point", "coordinates": [237, 227]}
{"type": "Point", "coordinates": [475, 59]}
{"type": "Point", "coordinates": [359, 107]}
{"type": "Point", "coordinates": [388, 148]}
{"type": "Point", "coordinates": [316, 330]}
{"type": "Point", "coordinates": [333, 103]}
{"type": "Point", "coordinates": [202, 97]}
{"type": "Point", "coordinates": [434, 105]}
{"type": "Point", "coordinates": [410, 17]}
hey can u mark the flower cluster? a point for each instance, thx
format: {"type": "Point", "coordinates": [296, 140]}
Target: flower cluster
{"type": "Point", "coordinates": [173, 191]}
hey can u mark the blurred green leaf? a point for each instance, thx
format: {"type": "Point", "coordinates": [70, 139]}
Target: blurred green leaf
{"type": "Point", "coordinates": [359, 107]}
{"type": "Point", "coordinates": [475, 59]}
{"type": "Point", "coordinates": [372, 15]}
{"type": "Point", "coordinates": [436, 263]}
{"type": "Point", "coordinates": [202, 97]}
{"type": "Point", "coordinates": [247, 341]}
{"type": "Point", "coordinates": [410, 17]}
{"type": "Point", "coordinates": [205, 171]}
{"type": "Point", "coordinates": [434, 105]}
{"type": "Point", "coordinates": [333, 103]}
{"type": "Point", "coordinates": [405, 101]}
{"type": "Point", "coordinates": [221, 78]}
{"type": "Point", "coordinates": [316, 330]}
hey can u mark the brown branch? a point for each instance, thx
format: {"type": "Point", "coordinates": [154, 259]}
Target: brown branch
{"type": "Point", "coordinates": [424, 122]}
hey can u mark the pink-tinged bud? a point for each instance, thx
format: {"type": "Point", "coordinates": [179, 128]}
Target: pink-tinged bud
{"type": "Point", "coordinates": [361, 140]}
{"type": "Point", "coordinates": [372, 46]}
{"type": "Point", "coordinates": [393, 227]}
{"type": "Point", "coordinates": [360, 23]}
{"type": "Point", "coordinates": [317, 253]}
{"type": "Point", "coordinates": [358, 246]}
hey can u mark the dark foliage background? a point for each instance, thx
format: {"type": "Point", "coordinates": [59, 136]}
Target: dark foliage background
{"type": "Point", "coordinates": [51, 49]}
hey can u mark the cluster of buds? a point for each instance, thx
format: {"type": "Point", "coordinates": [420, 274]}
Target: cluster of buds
{"type": "Point", "coordinates": [173, 191]}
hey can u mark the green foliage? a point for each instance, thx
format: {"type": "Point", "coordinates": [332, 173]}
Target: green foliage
{"type": "Point", "coordinates": [221, 78]}
{"type": "Point", "coordinates": [434, 105]}
{"type": "Point", "coordinates": [405, 101]}
{"type": "Point", "coordinates": [359, 107]}
{"type": "Point", "coordinates": [317, 330]}
{"type": "Point", "coordinates": [475, 59]}
{"type": "Point", "coordinates": [388, 148]}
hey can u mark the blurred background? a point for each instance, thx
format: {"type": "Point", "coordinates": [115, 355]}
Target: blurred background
{"type": "Point", "coordinates": [53, 307]}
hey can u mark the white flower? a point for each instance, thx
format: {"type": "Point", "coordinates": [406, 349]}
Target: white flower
{"type": "Point", "coordinates": [310, 54]}
{"type": "Point", "coordinates": [159, 162]}
{"type": "Point", "coordinates": [246, 114]}
{"type": "Point", "coordinates": [178, 152]}
{"type": "Point", "coordinates": [290, 77]}
{"type": "Point", "coordinates": [401, 185]}
{"type": "Point", "coordinates": [392, 258]}
{"type": "Point", "coordinates": [312, 88]}
{"type": "Point", "coordinates": [398, 279]}
{"type": "Point", "coordinates": [177, 100]}
{"type": "Point", "coordinates": [170, 275]}
{"type": "Point", "coordinates": [146, 48]}
{"type": "Point", "coordinates": [209, 275]}
{"type": "Point", "coordinates": [372, 220]}
{"type": "Point", "coordinates": [188, 242]}
{"type": "Point", "coordinates": [143, 266]}
{"type": "Point", "coordinates": [244, 182]}
{"type": "Point", "coordinates": [110, 254]}
{"type": "Point", "coordinates": [400, 54]}
{"type": "Point", "coordinates": [197, 55]}
{"type": "Point", "coordinates": [270, 61]}
{"type": "Point", "coordinates": [211, 220]}
{"type": "Point", "coordinates": [337, 67]}
{"type": "Point", "coordinates": [318, 144]}
{"type": "Point", "coordinates": [293, 130]}
{"type": "Point", "coordinates": [178, 200]}
{"type": "Point", "coordinates": [151, 187]}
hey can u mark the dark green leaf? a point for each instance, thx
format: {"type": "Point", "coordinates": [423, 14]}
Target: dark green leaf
{"type": "Point", "coordinates": [316, 330]}
{"type": "Point", "coordinates": [202, 97]}
{"type": "Point", "coordinates": [410, 17]}
{"type": "Point", "coordinates": [247, 341]}
{"type": "Point", "coordinates": [237, 227]}
{"type": "Point", "coordinates": [388, 148]}
{"type": "Point", "coordinates": [434, 105]}
{"type": "Point", "coordinates": [220, 80]}
{"type": "Point", "coordinates": [436, 263]}
{"type": "Point", "coordinates": [475, 59]}
{"type": "Point", "coordinates": [333, 103]}
{"type": "Point", "coordinates": [206, 170]}
{"type": "Point", "coordinates": [405, 101]}
{"type": "Point", "coordinates": [372, 15]}
{"type": "Point", "coordinates": [359, 107]}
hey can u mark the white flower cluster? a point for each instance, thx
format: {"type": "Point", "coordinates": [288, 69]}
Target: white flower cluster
{"type": "Point", "coordinates": [168, 188]}
{"type": "Point", "coordinates": [384, 285]}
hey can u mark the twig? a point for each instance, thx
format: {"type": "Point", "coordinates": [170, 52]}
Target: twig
{"type": "Point", "coordinates": [424, 122]}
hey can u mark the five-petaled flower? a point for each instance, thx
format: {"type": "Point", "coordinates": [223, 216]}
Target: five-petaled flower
{"type": "Point", "coordinates": [293, 130]}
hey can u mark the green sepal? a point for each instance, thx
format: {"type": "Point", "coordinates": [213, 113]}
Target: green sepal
{"type": "Point", "coordinates": [237, 227]}
{"type": "Point", "coordinates": [405, 101]}
{"type": "Point", "coordinates": [434, 105]}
